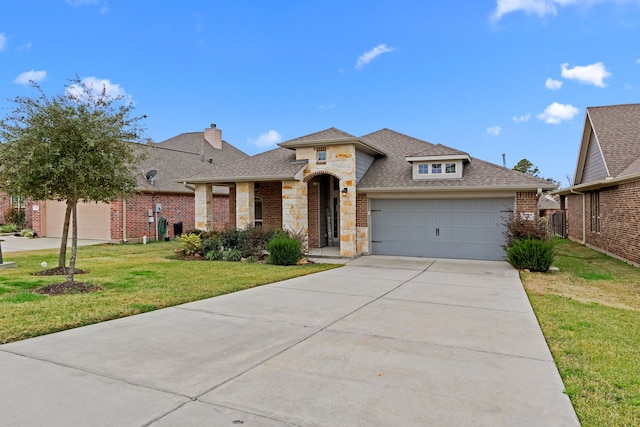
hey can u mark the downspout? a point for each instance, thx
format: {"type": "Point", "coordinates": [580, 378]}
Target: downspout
{"type": "Point", "coordinates": [124, 220]}
{"type": "Point", "coordinates": [584, 213]}
{"type": "Point", "coordinates": [187, 186]}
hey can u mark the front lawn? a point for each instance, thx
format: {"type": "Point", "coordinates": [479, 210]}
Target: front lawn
{"type": "Point", "coordinates": [589, 312]}
{"type": "Point", "coordinates": [136, 278]}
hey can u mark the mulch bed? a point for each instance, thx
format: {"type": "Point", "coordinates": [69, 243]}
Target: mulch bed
{"type": "Point", "coordinates": [68, 287]}
{"type": "Point", "coordinates": [58, 271]}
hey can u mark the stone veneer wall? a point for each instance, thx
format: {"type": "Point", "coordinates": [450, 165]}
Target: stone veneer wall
{"type": "Point", "coordinates": [245, 204]}
{"type": "Point", "coordinates": [340, 162]}
{"type": "Point", "coordinates": [294, 207]}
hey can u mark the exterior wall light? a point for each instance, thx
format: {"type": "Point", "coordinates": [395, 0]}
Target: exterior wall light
{"type": "Point", "coordinates": [344, 191]}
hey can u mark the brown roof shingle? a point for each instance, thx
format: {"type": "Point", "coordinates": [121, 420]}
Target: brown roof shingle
{"type": "Point", "coordinates": [617, 128]}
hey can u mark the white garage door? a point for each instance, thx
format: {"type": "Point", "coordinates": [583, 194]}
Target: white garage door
{"type": "Point", "coordinates": [456, 228]}
{"type": "Point", "coordinates": [93, 220]}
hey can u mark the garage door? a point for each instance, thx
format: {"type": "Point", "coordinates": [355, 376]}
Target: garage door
{"type": "Point", "coordinates": [457, 228]}
{"type": "Point", "coordinates": [93, 220]}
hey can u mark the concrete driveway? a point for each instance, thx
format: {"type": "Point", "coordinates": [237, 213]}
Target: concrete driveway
{"type": "Point", "coordinates": [15, 244]}
{"type": "Point", "coordinates": [383, 341]}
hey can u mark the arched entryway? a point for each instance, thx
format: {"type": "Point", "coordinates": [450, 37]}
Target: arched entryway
{"type": "Point", "coordinates": [324, 210]}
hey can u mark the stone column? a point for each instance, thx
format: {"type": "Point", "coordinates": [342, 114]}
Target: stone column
{"type": "Point", "coordinates": [204, 206]}
{"type": "Point", "coordinates": [294, 206]}
{"type": "Point", "coordinates": [348, 219]}
{"type": "Point", "coordinates": [245, 208]}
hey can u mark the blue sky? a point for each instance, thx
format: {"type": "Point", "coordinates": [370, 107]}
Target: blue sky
{"type": "Point", "coordinates": [487, 77]}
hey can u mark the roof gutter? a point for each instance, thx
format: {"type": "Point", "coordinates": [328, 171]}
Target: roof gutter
{"type": "Point", "coordinates": [598, 184]}
{"type": "Point", "coordinates": [450, 189]}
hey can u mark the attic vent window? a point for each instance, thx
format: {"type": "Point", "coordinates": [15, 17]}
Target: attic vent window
{"type": "Point", "coordinates": [321, 155]}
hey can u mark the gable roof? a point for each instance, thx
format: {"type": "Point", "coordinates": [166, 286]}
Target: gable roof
{"type": "Point", "coordinates": [614, 131]}
{"type": "Point", "coordinates": [394, 173]}
{"type": "Point", "coordinates": [332, 136]}
{"type": "Point", "coordinates": [610, 147]}
{"type": "Point", "coordinates": [182, 155]}
{"type": "Point", "coordinates": [391, 172]}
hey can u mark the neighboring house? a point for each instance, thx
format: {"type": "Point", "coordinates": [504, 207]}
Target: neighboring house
{"type": "Point", "coordinates": [382, 193]}
{"type": "Point", "coordinates": [128, 219]}
{"type": "Point", "coordinates": [548, 204]}
{"type": "Point", "coordinates": [603, 205]}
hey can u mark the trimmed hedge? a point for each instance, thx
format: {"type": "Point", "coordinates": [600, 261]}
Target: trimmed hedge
{"type": "Point", "coordinates": [531, 254]}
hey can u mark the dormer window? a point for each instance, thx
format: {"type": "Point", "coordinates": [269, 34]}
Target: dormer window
{"type": "Point", "coordinates": [436, 168]}
{"type": "Point", "coordinates": [450, 168]}
{"type": "Point", "coordinates": [423, 168]}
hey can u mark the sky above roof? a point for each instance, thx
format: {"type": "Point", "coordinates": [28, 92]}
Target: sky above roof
{"type": "Point", "coordinates": [487, 77]}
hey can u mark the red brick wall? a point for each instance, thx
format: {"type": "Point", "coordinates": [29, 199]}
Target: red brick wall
{"type": "Point", "coordinates": [175, 208]}
{"type": "Point", "coordinates": [232, 207]}
{"type": "Point", "coordinates": [32, 218]}
{"type": "Point", "coordinates": [361, 210]}
{"type": "Point", "coordinates": [271, 194]}
{"type": "Point", "coordinates": [313, 213]}
{"type": "Point", "coordinates": [526, 201]}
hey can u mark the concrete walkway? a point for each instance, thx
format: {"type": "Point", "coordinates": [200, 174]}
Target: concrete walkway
{"type": "Point", "coordinates": [383, 341]}
{"type": "Point", "coordinates": [16, 244]}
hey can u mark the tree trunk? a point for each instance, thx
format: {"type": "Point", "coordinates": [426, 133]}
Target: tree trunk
{"type": "Point", "coordinates": [62, 257]}
{"type": "Point", "coordinates": [74, 244]}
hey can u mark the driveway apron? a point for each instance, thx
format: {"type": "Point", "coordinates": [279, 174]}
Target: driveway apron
{"type": "Point", "coordinates": [382, 341]}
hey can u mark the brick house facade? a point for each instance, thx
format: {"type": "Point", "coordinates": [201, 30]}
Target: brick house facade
{"type": "Point", "coordinates": [326, 184]}
{"type": "Point", "coordinates": [603, 205]}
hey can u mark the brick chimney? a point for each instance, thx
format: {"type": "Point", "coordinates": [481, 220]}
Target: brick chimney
{"type": "Point", "coordinates": [213, 136]}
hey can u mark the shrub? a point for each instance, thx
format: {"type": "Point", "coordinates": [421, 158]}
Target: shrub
{"type": "Point", "coordinates": [26, 233]}
{"type": "Point", "coordinates": [232, 255]}
{"type": "Point", "coordinates": [211, 244]}
{"type": "Point", "coordinates": [15, 216]}
{"type": "Point", "coordinates": [214, 255]}
{"type": "Point", "coordinates": [284, 250]}
{"type": "Point", "coordinates": [230, 238]}
{"type": "Point", "coordinates": [252, 241]}
{"type": "Point", "coordinates": [532, 254]}
{"type": "Point", "coordinates": [519, 228]}
{"type": "Point", "coordinates": [191, 243]}
{"type": "Point", "coordinates": [8, 228]}
{"type": "Point", "coordinates": [252, 259]}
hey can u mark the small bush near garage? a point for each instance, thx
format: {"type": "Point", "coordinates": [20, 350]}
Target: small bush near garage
{"type": "Point", "coordinates": [284, 250]}
{"type": "Point", "coordinates": [8, 228]}
{"type": "Point", "coordinates": [531, 254]}
{"type": "Point", "coordinates": [15, 216]}
{"type": "Point", "coordinates": [519, 228]}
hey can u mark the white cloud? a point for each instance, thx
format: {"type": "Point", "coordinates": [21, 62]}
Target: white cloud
{"type": "Point", "coordinates": [267, 139]}
{"type": "Point", "coordinates": [557, 113]}
{"type": "Point", "coordinates": [112, 90]}
{"type": "Point", "coordinates": [540, 7]}
{"type": "Point", "coordinates": [523, 118]}
{"type": "Point", "coordinates": [28, 76]}
{"type": "Point", "coordinates": [3, 41]}
{"type": "Point", "coordinates": [552, 84]}
{"type": "Point", "coordinates": [369, 56]}
{"type": "Point", "coordinates": [494, 130]}
{"type": "Point", "coordinates": [589, 74]}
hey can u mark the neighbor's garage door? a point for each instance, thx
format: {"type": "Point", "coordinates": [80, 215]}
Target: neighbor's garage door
{"type": "Point", "coordinates": [456, 228]}
{"type": "Point", "coordinates": [93, 220]}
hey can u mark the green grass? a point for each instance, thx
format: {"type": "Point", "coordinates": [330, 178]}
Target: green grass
{"type": "Point", "coordinates": [135, 279]}
{"type": "Point", "coordinates": [589, 312]}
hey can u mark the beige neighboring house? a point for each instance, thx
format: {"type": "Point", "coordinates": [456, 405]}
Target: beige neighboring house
{"type": "Point", "coordinates": [603, 205]}
{"type": "Point", "coordinates": [382, 193]}
{"type": "Point", "coordinates": [128, 219]}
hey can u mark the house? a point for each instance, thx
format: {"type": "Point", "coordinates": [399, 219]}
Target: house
{"type": "Point", "coordinates": [603, 204]}
{"type": "Point", "coordinates": [134, 217]}
{"type": "Point", "coordinates": [382, 193]}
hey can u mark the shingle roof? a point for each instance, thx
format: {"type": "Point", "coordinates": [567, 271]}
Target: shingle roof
{"type": "Point", "coordinates": [279, 163]}
{"type": "Point", "coordinates": [617, 128]}
{"type": "Point", "coordinates": [394, 172]}
{"type": "Point", "coordinates": [438, 150]}
{"type": "Point", "coordinates": [180, 156]}
{"type": "Point", "coordinates": [328, 135]}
